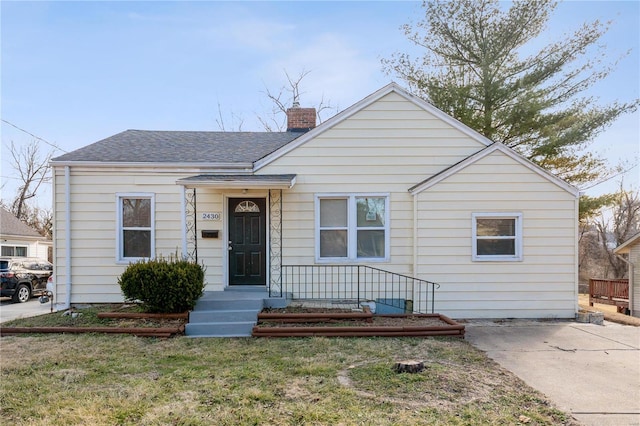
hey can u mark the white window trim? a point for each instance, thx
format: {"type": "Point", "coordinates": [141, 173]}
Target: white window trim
{"type": "Point", "coordinates": [497, 258]}
{"type": "Point", "coordinates": [352, 229]}
{"type": "Point", "coordinates": [15, 246]}
{"type": "Point", "coordinates": [119, 242]}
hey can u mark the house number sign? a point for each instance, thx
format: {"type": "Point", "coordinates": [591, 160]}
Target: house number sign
{"type": "Point", "coordinates": [212, 216]}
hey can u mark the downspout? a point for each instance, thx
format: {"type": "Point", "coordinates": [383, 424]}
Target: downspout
{"type": "Point", "coordinates": [415, 235]}
{"type": "Point", "coordinates": [67, 236]}
{"type": "Point", "coordinates": [183, 213]}
{"type": "Point", "coordinates": [631, 272]}
{"type": "Point", "coordinates": [576, 251]}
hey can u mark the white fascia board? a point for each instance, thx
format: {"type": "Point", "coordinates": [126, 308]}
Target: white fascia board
{"type": "Point", "coordinates": [17, 237]}
{"type": "Point", "coordinates": [497, 146]}
{"type": "Point", "coordinates": [626, 246]}
{"type": "Point", "coordinates": [176, 165]}
{"type": "Point", "coordinates": [257, 184]}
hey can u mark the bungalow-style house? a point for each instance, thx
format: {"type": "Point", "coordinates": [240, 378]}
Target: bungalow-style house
{"type": "Point", "coordinates": [389, 190]}
{"type": "Point", "coordinates": [17, 239]}
{"type": "Point", "coordinates": [631, 247]}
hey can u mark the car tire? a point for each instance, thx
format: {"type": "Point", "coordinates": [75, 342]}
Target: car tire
{"type": "Point", "coordinates": [22, 294]}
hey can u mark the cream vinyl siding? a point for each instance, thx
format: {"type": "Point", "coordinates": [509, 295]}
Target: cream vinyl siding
{"type": "Point", "coordinates": [386, 147]}
{"type": "Point", "coordinates": [94, 266]}
{"type": "Point", "coordinates": [542, 285]}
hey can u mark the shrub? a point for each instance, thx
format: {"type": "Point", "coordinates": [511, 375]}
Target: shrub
{"type": "Point", "coordinates": [163, 285]}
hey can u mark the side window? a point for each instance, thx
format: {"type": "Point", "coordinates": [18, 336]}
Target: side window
{"type": "Point", "coordinates": [14, 251]}
{"type": "Point", "coordinates": [136, 231]}
{"type": "Point", "coordinates": [497, 236]}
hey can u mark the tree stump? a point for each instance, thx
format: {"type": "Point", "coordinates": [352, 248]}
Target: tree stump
{"type": "Point", "coordinates": [409, 366]}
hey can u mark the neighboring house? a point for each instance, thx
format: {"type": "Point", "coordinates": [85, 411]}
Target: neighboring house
{"type": "Point", "coordinates": [631, 247]}
{"type": "Point", "coordinates": [18, 239]}
{"type": "Point", "coordinates": [391, 182]}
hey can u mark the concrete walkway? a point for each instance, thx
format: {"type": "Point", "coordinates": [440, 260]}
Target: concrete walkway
{"type": "Point", "coordinates": [32, 308]}
{"type": "Point", "coordinates": [591, 371]}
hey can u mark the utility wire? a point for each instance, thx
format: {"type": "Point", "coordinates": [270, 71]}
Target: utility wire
{"type": "Point", "coordinates": [622, 172]}
{"type": "Point", "coordinates": [37, 137]}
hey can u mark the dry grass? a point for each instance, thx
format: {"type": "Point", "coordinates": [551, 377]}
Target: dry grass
{"type": "Point", "coordinates": [124, 380]}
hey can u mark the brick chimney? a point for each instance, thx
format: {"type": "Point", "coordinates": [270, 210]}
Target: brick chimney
{"type": "Point", "coordinates": [300, 119]}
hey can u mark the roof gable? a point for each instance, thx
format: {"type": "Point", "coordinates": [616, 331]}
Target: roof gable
{"type": "Point", "coordinates": [359, 106]}
{"type": "Point", "coordinates": [495, 147]}
{"type": "Point", "coordinates": [626, 246]}
{"type": "Point", "coordinates": [11, 225]}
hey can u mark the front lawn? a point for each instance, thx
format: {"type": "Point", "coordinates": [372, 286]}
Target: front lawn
{"type": "Point", "coordinates": [113, 380]}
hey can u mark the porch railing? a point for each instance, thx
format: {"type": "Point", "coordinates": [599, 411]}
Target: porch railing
{"type": "Point", "coordinates": [609, 292]}
{"type": "Point", "coordinates": [391, 292]}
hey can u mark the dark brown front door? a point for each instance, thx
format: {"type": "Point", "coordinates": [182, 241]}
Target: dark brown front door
{"type": "Point", "coordinates": [247, 241]}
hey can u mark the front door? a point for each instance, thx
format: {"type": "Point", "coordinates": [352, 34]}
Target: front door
{"type": "Point", "coordinates": [247, 241]}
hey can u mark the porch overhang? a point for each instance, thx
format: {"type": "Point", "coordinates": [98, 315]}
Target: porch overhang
{"type": "Point", "coordinates": [239, 181]}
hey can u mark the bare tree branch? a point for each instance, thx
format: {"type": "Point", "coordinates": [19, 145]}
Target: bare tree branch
{"type": "Point", "coordinates": [32, 170]}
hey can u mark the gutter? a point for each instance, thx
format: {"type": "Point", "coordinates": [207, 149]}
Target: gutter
{"type": "Point", "coordinates": [149, 165]}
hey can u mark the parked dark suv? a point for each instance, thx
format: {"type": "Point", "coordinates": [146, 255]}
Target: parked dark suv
{"type": "Point", "coordinates": [23, 277]}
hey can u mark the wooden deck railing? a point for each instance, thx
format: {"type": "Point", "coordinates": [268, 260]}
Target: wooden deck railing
{"type": "Point", "coordinates": [610, 292]}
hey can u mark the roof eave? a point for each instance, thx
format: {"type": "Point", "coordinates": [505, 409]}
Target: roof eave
{"type": "Point", "coordinates": [24, 237]}
{"type": "Point", "coordinates": [625, 247]}
{"type": "Point", "coordinates": [239, 184]}
{"type": "Point", "coordinates": [166, 165]}
{"type": "Point", "coordinates": [496, 146]}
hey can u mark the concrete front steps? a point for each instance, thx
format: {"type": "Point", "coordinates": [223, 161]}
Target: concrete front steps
{"type": "Point", "coordinates": [230, 313]}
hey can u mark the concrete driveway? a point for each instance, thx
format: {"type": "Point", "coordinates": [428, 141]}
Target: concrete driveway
{"type": "Point", "coordinates": [591, 371]}
{"type": "Point", "coordinates": [33, 307]}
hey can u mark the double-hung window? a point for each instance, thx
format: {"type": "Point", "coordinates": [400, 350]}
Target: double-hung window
{"type": "Point", "coordinates": [352, 227]}
{"type": "Point", "coordinates": [136, 233]}
{"type": "Point", "coordinates": [497, 236]}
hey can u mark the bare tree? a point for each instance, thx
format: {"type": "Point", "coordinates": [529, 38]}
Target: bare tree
{"type": "Point", "coordinates": [287, 96]}
{"type": "Point", "coordinates": [623, 223]}
{"type": "Point", "coordinates": [275, 119]}
{"type": "Point", "coordinates": [33, 171]}
{"type": "Point", "coordinates": [236, 121]}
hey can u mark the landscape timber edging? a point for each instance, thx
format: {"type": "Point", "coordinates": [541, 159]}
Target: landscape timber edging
{"type": "Point", "coordinates": [451, 328]}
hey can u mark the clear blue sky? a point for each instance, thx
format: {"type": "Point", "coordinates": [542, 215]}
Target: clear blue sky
{"type": "Point", "coordinates": [73, 73]}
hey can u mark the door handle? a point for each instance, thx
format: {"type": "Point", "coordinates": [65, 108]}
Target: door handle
{"type": "Point", "coordinates": [229, 247]}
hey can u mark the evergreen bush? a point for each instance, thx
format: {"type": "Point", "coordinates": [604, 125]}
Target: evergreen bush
{"type": "Point", "coordinates": [163, 285]}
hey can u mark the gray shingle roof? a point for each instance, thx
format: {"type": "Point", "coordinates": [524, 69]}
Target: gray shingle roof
{"type": "Point", "coordinates": [11, 225]}
{"type": "Point", "coordinates": [150, 146]}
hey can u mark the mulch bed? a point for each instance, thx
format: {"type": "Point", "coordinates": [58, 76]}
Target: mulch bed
{"type": "Point", "coordinates": [125, 319]}
{"type": "Point", "coordinates": [304, 322]}
{"type": "Point", "coordinates": [286, 322]}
